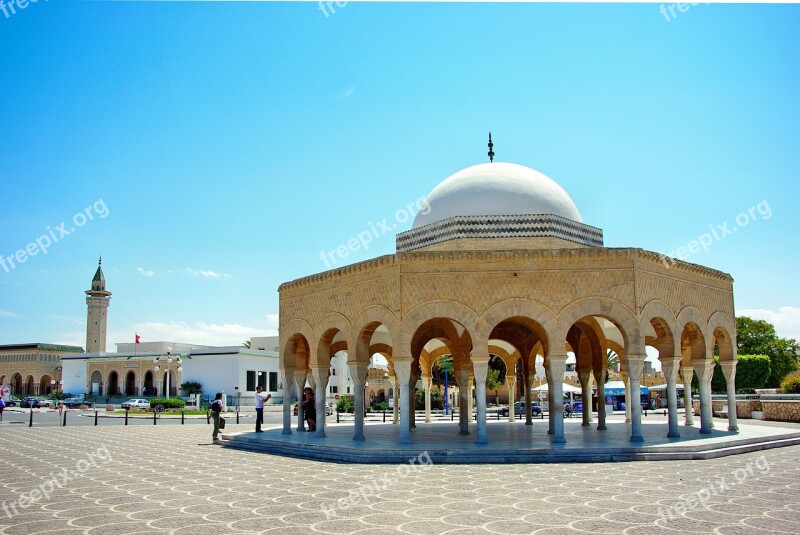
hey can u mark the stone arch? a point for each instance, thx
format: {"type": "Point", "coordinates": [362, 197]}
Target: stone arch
{"type": "Point", "coordinates": [113, 383]}
{"type": "Point", "coordinates": [296, 353]}
{"type": "Point", "coordinates": [692, 327]}
{"type": "Point", "coordinates": [2, 379]}
{"type": "Point", "coordinates": [606, 308]}
{"type": "Point", "coordinates": [326, 330]}
{"type": "Point", "coordinates": [290, 334]}
{"type": "Point", "coordinates": [516, 308]}
{"type": "Point", "coordinates": [453, 310]}
{"type": "Point", "coordinates": [44, 385]}
{"type": "Point", "coordinates": [378, 314]}
{"type": "Point", "coordinates": [16, 383]}
{"type": "Point", "coordinates": [129, 385]}
{"type": "Point", "coordinates": [30, 386]}
{"type": "Point", "coordinates": [148, 386]}
{"type": "Point", "coordinates": [659, 316]}
{"type": "Point", "coordinates": [96, 378]}
{"type": "Point", "coordinates": [723, 331]}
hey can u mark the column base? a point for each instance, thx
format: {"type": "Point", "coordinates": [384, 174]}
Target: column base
{"type": "Point", "coordinates": [558, 440]}
{"type": "Point", "coordinates": [586, 425]}
{"type": "Point", "coordinates": [705, 431]}
{"type": "Point", "coordinates": [286, 432]}
{"type": "Point", "coordinates": [688, 424]}
{"type": "Point", "coordinates": [320, 434]}
{"type": "Point", "coordinates": [673, 434]}
{"type": "Point", "coordinates": [482, 441]}
{"type": "Point", "coordinates": [637, 439]}
{"type": "Point", "coordinates": [462, 432]}
{"type": "Point", "coordinates": [404, 441]}
{"type": "Point", "coordinates": [733, 428]}
{"type": "Point", "coordinates": [602, 428]}
{"type": "Point", "coordinates": [359, 438]}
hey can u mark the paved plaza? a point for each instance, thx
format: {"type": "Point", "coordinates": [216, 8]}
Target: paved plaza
{"type": "Point", "coordinates": [172, 479]}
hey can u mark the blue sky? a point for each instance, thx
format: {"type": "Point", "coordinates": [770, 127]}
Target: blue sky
{"type": "Point", "coordinates": [226, 144]}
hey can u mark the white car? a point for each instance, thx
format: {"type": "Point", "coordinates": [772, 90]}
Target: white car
{"type": "Point", "coordinates": [136, 404]}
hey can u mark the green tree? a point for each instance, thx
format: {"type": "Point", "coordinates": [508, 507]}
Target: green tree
{"type": "Point", "coordinates": [246, 344]}
{"type": "Point", "coordinates": [443, 364]}
{"type": "Point", "coordinates": [758, 337]}
{"type": "Point", "coordinates": [494, 383]}
{"type": "Point", "coordinates": [192, 387]}
{"type": "Point", "coordinates": [752, 371]}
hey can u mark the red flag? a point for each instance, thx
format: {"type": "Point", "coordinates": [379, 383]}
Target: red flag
{"type": "Point", "coordinates": [137, 338]}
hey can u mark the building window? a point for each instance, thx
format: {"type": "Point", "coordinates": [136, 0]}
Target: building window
{"type": "Point", "coordinates": [251, 380]}
{"type": "Point", "coordinates": [262, 380]}
{"type": "Point", "coordinates": [333, 371]}
{"type": "Point", "coordinates": [334, 390]}
{"type": "Point", "coordinates": [348, 389]}
{"type": "Point", "coordinates": [273, 381]}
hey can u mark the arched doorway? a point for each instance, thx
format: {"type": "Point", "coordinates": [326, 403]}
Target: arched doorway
{"type": "Point", "coordinates": [173, 390]}
{"type": "Point", "coordinates": [149, 385]}
{"type": "Point", "coordinates": [130, 384]}
{"type": "Point", "coordinates": [113, 384]}
{"type": "Point", "coordinates": [45, 388]}
{"type": "Point", "coordinates": [30, 386]}
{"type": "Point", "coordinates": [96, 384]}
{"type": "Point", "coordinates": [16, 384]}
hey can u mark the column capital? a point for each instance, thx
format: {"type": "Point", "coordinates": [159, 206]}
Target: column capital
{"type": "Point", "coordinates": [635, 365]}
{"type": "Point", "coordinates": [704, 369]}
{"type": "Point", "coordinates": [402, 371]}
{"type": "Point", "coordinates": [728, 369]}
{"type": "Point", "coordinates": [584, 375]}
{"type": "Point", "coordinates": [670, 366]}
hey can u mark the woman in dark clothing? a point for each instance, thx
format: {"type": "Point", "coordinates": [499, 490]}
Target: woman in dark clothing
{"type": "Point", "coordinates": [310, 408]}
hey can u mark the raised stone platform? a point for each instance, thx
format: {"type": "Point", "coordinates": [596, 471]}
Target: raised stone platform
{"type": "Point", "coordinates": [516, 442]}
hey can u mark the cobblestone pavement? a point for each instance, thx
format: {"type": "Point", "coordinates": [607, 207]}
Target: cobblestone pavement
{"type": "Point", "coordinates": [171, 479]}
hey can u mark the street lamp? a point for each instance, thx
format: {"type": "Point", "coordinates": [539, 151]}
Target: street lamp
{"type": "Point", "coordinates": [56, 385]}
{"type": "Point", "coordinates": [169, 365]}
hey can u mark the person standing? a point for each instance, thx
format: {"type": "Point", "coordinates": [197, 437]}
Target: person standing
{"type": "Point", "coordinates": [260, 408]}
{"type": "Point", "coordinates": [310, 409]}
{"type": "Point", "coordinates": [216, 409]}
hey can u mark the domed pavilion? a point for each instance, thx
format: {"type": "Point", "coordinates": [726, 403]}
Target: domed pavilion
{"type": "Point", "coordinates": [500, 264]}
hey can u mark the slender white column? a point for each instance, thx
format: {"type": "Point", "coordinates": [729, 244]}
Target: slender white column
{"type": "Point", "coordinates": [635, 368]}
{"type": "Point", "coordinates": [600, 380]}
{"type": "Point", "coordinates": [470, 402]}
{"type": "Point", "coordinates": [550, 403]}
{"type": "Point", "coordinates": [729, 371]}
{"type": "Point", "coordinates": [511, 381]}
{"type": "Point", "coordinates": [670, 366]}
{"type": "Point", "coordinates": [687, 372]}
{"type": "Point", "coordinates": [395, 401]}
{"type": "Point", "coordinates": [358, 372]}
{"type": "Point", "coordinates": [585, 377]}
{"type": "Point", "coordinates": [557, 364]}
{"type": "Point", "coordinates": [480, 365]}
{"type": "Point", "coordinates": [412, 399]}
{"type": "Point", "coordinates": [626, 380]}
{"type": "Point", "coordinates": [427, 382]}
{"type": "Point", "coordinates": [402, 369]}
{"type": "Point", "coordinates": [320, 375]}
{"type": "Point", "coordinates": [287, 380]}
{"type": "Point", "coordinates": [704, 370]}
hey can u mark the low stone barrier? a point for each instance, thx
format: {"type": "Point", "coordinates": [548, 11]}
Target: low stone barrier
{"type": "Point", "coordinates": [781, 408]}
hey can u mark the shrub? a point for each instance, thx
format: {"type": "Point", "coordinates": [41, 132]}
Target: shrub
{"type": "Point", "coordinates": [752, 371]}
{"type": "Point", "coordinates": [791, 383]}
{"type": "Point", "coordinates": [380, 406]}
{"type": "Point", "coordinates": [345, 404]}
{"type": "Point", "coordinates": [171, 403]}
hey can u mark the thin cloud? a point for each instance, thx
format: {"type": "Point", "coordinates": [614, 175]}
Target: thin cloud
{"type": "Point", "coordinates": [347, 92]}
{"type": "Point", "coordinates": [207, 273]}
{"type": "Point", "coordinates": [146, 273]}
{"type": "Point", "coordinates": [7, 314]}
{"type": "Point", "coordinates": [786, 319]}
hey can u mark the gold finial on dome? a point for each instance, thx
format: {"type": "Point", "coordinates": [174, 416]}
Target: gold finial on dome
{"type": "Point", "coordinates": [491, 150]}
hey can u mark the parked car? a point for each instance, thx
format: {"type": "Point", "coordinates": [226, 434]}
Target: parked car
{"type": "Point", "coordinates": [136, 404]}
{"type": "Point", "coordinates": [519, 408]}
{"type": "Point", "coordinates": [30, 403]}
{"type": "Point", "coordinates": [46, 403]}
{"type": "Point", "coordinates": [13, 401]}
{"type": "Point", "coordinates": [75, 403]}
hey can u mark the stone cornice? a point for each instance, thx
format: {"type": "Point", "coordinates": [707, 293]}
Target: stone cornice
{"type": "Point", "coordinates": [360, 267]}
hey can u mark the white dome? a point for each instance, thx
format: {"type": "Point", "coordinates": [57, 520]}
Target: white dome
{"type": "Point", "coordinates": [496, 189]}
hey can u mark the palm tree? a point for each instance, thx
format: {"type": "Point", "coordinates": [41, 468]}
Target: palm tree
{"type": "Point", "coordinates": [612, 361]}
{"type": "Point", "coordinates": [246, 344]}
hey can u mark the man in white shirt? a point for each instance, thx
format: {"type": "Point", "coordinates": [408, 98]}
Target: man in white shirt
{"type": "Point", "coordinates": [260, 408]}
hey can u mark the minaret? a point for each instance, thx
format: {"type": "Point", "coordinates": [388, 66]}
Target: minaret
{"type": "Point", "coordinates": [97, 301]}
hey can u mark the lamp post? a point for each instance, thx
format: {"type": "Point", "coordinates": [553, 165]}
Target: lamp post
{"type": "Point", "coordinates": [169, 364]}
{"type": "Point", "coordinates": [56, 385]}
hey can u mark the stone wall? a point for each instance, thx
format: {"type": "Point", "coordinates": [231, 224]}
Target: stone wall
{"type": "Point", "coordinates": [744, 408]}
{"type": "Point", "coordinates": [781, 411]}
